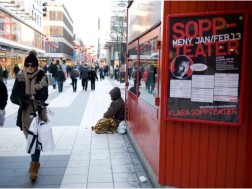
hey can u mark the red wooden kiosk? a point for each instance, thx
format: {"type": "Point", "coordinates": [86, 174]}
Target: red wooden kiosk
{"type": "Point", "coordinates": [189, 113]}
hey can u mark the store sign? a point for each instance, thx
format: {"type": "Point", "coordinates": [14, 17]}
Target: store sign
{"type": "Point", "coordinates": [205, 66]}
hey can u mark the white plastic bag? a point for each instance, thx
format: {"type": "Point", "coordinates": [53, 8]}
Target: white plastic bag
{"type": "Point", "coordinates": [45, 136]}
{"type": "Point", "coordinates": [32, 136]}
{"type": "Point", "coordinates": [2, 117]}
{"type": "Point", "coordinates": [122, 129]}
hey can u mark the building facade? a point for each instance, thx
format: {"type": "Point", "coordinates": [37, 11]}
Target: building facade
{"type": "Point", "coordinates": [58, 29]}
{"type": "Point", "coordinates": [20, 31]}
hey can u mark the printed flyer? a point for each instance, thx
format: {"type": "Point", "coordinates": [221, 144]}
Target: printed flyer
{"type": "Point", "coordinates": [205, 66]}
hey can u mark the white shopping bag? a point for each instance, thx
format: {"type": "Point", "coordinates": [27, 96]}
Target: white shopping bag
{"type": "Point", "coordinates": [45, 136]}
{"type": "Point", "coordinates": [32, 136]}
{"type": "Point", "coordinates": [121, 129]}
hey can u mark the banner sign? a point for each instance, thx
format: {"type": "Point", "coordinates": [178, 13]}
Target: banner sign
{"type": "Point", "coordinates": [205, 62]}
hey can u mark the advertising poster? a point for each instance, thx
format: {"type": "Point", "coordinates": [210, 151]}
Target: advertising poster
{"type": "Point", "coordinates": [206, 55]}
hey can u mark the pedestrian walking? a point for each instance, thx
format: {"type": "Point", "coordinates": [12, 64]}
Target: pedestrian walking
{"type": "Point", "coordinates": [54, 69]}
{"type": "Point", "coordinates": [74, 75]}
{"type": "Point", "coordinates": [93, 77]}
{"type": "Point", "coordinates": [84, 73]}
{"type": "Point", "coordinates": [113, 116]}
{"type": "Point", "coordinates": [16, 69]}
{"type": "Point", "coordinates": [5, 76]}
{"type": "Point", "coordinates": [30, 87]}
{"type": "Point", "coordinates": [60, 78]}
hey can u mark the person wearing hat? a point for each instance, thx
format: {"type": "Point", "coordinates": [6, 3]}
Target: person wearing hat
{"type": "Point", "coordinates": [30, 87]}
{"type": "Point", "coordinates": [113, 116]}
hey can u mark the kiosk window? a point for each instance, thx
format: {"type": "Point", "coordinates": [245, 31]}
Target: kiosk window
{"type": "Point", "coordinates": [148, 71]}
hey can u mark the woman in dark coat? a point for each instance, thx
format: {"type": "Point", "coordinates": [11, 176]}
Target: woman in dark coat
{"type": "Point", "coordinates": [30, 87]}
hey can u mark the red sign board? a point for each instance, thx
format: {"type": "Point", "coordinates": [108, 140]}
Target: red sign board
{"type": "Point", "coordinates": [206, 59]}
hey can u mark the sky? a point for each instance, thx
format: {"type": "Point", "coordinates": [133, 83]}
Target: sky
{"type": "Point", "coordinates": [85, 15]}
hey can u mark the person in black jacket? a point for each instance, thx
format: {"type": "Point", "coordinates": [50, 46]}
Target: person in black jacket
{"type": "Point", "coordinates": [31, 87]}
{"type": "Point", "coordinates": [93, 77]}
{"type": "Point", "coordinates": [113, 116]}
{"type": "Point", "coordinates": [3, 102]}
{"type": "Point", "coordinates": [84, 73]}
{"type": "Point", "coordinates": [60, 78]}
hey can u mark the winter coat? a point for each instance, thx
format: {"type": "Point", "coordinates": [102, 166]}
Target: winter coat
{"type": "Point", "coordinates": [19, 90]}
{"type": "Point", "coordinates": [60, 76]}
{"type": "Point", "coordinates": [54, 69]}
{"type": "Point", "coordinates": [16, 69]}
{"type": "Point", "coordinates": [74, 73]}
{"type": "Point", "coordinates": [116, 108]}
{"type": "Point", "coordinates": [3, 95]}
{"type": "Point", "coordinates": [92, 75]}
{"type": "Point", "coordinates": [84, 73]}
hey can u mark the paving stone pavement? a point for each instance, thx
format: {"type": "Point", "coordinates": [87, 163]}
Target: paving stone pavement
{"type": "Point", "coordinates": [81, 158]}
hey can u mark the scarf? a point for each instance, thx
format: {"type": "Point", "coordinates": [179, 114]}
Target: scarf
{"type": "Point", "coordinates": [30, 88]}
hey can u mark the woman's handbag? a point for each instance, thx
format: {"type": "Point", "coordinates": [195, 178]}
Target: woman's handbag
{"type": "Point", "coordinates": [32, 137]}
{"type": "Point", "coordinates": [14, 99]}
{"type": "Point", "coordinates": [39, 137]}
{"type": "Point", "coordinates": [45, 136]}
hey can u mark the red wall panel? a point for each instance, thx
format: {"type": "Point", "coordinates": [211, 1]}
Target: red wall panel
{"type": "Point", "coordinates": [203, 155]}
{"type": "Point", "coordinates": [194, 154]}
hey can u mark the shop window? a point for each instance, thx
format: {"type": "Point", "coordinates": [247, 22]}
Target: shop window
{"type": "Point", "coordinates": [133, 69]}
{"type": "Point", "coordinates": [148, 63]}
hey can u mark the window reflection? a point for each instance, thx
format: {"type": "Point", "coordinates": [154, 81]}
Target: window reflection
{"type": "Point", "coordinates": [13, 30]}
{"type": "Point", "coordinates": [148, 71]}
{"type": "Point", "coordinates": [143, 76]}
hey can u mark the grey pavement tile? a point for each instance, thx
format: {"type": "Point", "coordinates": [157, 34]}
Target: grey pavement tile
{"type": "Point", "coordinates": [139, 168]}
{"type": "Point", "coordinates": [99, 156]}
{"type": "Point", "coordinates": [121, 161]}
{"type": "Point", "coordinates": [79, 157]}
{"type": "Point", "coordinates": [98, 162]}
{"type": "Point", "coordinates": [74, 179]}
{"type": "Point", "coordinates": [123, 168]}
{"type": "Point", "coordinates": [125, 177]}
{"type": "Point", "coordinates": [76, 171]}
{"type": "Point", "coordinates": [100, 177]}
{"type": "Point", "coordinates": [48, 186]}
{"type": "Point", "coordinates": [100, 169]}
{"type": "Point", "coordinates": [18, 164]}
{"type": "Point", "coordinates": [136, 161]}
{"type": "Point", "coordinates": [53, 171]}
{"type": "Point", "coordinates": [49, 180]}
{"type": "Point", "coordinates": [13, 172]}
{"type": "Point", "coordinates": [59, 158]}
{"type": "Point", "coordinates": [120, 155]}
{"type": "Point", "coordinates": [4, 180]}
{"type": "Point", "coordinates": [20, 181]}
{"type": "Point", "coordinates": [61, 152]}
{"type": "Point", "coordinates": [15, 158]}
{"type": "Point", "coordinates": [77, 163]}
{"type": "Point", "coordinates": [56, 163]}
{"type": "Point", "coordinates": [99, 146]}
{"type": "Point", "coordinates": [127, 185]}
{"type": "Point", "coordinates": [73, 185]}
{"type": "Point", "coordinates": [100, 185]}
